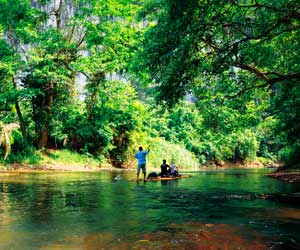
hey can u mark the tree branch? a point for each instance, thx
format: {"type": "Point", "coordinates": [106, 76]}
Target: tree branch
{"type": "Point", "coordinates": [245, 90]}
{"type": "Point", "coordinates": [58, 14]}
{"type": "Point", "coordinates": [282, 78]}
{"type": "Point", "coordinates": [81, 40]}
{"type": "Point", "coordinates": [269, 82]}
{"type": "Point", "coordinates": [252, 69]}
{"type": "Point", "coordinates": [264, 75]}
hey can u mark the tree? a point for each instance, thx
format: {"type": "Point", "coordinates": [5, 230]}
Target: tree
{"type": "Point", "coordinates": [54, 41]}
{"type": "Point", "coordinates": [240, 47]}
{"type": "Point", "coordinates": [9, 94]}
{"type": "Point", "coordinates": [206, 37]}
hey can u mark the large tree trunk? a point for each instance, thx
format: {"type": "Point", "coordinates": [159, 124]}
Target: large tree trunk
{"type": "Point", "coordinates": [43, 140]}
{"type": "Point", "coordinates": [21, 120]}
{"type": "Point", "coordinates": [44, 133]}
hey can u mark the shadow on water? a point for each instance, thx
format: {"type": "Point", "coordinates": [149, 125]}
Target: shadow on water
{"type": "Point", "coordinates": [211, 210]}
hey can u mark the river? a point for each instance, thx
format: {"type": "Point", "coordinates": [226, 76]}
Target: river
{"type": "Point", "coordinates": [216, 209]}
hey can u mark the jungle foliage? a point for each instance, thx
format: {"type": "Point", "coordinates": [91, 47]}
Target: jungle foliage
{"type": "Point", "coordinates": [201, 81]}
{"type": "Point", "coordinates": [239, 59]}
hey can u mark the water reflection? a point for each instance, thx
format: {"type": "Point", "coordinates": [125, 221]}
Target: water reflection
{"type": "Point", "coordinates": [98, 211]}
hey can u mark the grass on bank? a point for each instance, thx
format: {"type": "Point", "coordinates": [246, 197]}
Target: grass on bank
{"type": "Point", "coordinates": [33, 158]}
{"type": "Point", "coordinates": [68, 158]}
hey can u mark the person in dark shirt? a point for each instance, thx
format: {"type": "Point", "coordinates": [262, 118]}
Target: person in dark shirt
{"type": "Point", "coordinates": [164, 169]}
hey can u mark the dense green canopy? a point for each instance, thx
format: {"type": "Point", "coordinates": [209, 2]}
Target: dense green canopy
{"type": "Point", "coordinates": [228, 53]}
{"type": "Point", "coordinates": [93, 76]}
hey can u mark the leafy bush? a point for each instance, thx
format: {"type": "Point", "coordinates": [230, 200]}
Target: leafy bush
{"type": "Point", "coordinates": [246, 145]}
{"type": "Point", "coordinates": [161, 149]}
{"type": "Point", "coordinates": [290, 154]}
{"type": "Point", "coordinates": [28, 155]}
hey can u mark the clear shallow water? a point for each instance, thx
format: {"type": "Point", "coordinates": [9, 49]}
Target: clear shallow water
{"type": "Point", "coordinates": [91, 211]}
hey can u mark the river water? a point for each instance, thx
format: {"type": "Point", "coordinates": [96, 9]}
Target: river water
{"type": "Point", "coordinates": [219, 209]}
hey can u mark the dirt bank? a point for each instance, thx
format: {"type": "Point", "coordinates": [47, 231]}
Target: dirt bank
{"type": "Point", "coordinates": [292, 176]}
{"type": "Point", "coordinates": [237, 164]}
{"type": "Point", "coordinates": [52, 167]}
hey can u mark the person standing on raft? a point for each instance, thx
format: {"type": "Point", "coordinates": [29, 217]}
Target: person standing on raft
{"type": "Point", "coordinates": [141, 157]}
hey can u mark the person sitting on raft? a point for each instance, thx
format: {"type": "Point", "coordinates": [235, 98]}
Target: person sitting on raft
{"type": "Point", "coordinates": [173, 170]}
{"type": "Point", "coordinates": [164, 169]}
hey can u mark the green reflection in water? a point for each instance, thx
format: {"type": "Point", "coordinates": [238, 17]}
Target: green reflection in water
{"type": "Point", "coordinates": [93, 211]}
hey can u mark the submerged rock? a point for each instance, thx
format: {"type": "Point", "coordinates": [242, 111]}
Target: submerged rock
{"type": "Point", "coordinates": [293, 198]}
{"type": "Point", "coordinates": [288, 176]}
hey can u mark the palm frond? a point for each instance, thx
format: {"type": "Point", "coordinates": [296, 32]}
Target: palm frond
{"type": "Point", "coordinates": [5, 136]}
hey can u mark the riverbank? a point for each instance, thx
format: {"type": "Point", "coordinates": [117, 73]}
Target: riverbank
{"type": "Point", "coordinates": [64, 160]}
{"type": "Point", "coordinates": [281, 172]}
{"type": "Point", "coordinates": [59, 163]}
{"type": "Point", "coordinates": [238, 164]}
{"type": "Point", "coordinates": [77, 167]}
{"type": "Point", "coordinates": [49, 167]}
{"type": "Point", "coordinates": [287, 174]}
{"type": "Point", "coordinates": [56, 160]}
